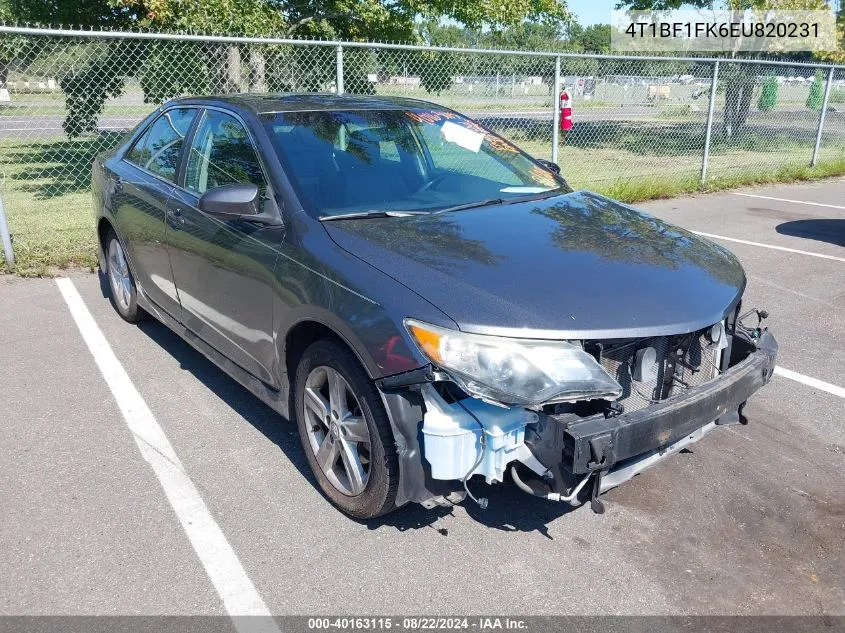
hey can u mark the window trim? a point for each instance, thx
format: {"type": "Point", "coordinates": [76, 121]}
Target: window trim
{"type": "Point", "coordinates": [183, 167]}
{"type": "Point", "coordinates": [140, 135]}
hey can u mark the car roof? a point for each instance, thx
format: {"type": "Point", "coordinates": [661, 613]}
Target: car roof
{"type": "Point", "coordinates": [307, 102]}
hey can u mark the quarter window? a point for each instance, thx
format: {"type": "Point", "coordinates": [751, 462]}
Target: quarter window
{"type": "Point", "coordinates": [221, 154]}
{"type": "Point", "coordinates": [158, 149]}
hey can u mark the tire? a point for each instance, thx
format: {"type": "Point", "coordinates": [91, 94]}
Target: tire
{"type": "Point", "coordinates": [336, 429]}
{"type": "Point", "coordinates": [123, 293]}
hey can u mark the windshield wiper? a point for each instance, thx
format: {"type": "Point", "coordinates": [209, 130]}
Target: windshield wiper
{"type": "Point", "coordinates": [550, 193]}
{"type": "Point", "coordinates": [471, 205]}
{"type": "Point", "coordinates": [375, 213]}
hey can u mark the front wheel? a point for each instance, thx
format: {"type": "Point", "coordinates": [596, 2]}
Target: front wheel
{"type": "Point", "coordinates": [124, 294]}
{"type": "Point", "coordinates": [345, 431]}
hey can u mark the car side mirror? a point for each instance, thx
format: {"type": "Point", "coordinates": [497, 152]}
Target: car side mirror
{"type": "Point", "coordinates": [230, 202]}
{"type": "Point", "coordinates": [549, 165]}
{"type": "Point", "coordinates": [240, 201]}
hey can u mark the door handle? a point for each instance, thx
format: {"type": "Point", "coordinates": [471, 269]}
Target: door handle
{"type": "Point", "coordinates": [177, 221]}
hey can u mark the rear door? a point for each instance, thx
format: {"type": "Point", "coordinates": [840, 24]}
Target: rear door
{"type": "Point", "coordinates": [144, 181]}
{"type": "Point", "coordinates": [224, 270]}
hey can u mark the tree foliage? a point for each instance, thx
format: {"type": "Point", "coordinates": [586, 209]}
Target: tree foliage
{"type": "Point", "coordinates": [11, 46]}
{"type": "Point", "coordinates": [769, 94]}
{"type": "Point", "coordinates": [171, 69]}
{"type": "Point", "coordinates": [87, 13]}
{"type": "Point", "coordinates": [166, 69]}
{"type": "Point", "coordinates": [436, 70]}
{"type": "Point", "coordinates": [592, 39]}
{"type": "Point", "coordinates": [815, 97]}
{"type": "Point", "coordinates": [738, 80]}
{"type": "Point", "coordinates": [88, 86]}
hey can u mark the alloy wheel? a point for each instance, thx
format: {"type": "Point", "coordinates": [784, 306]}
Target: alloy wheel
{"type": "Point", "coordinates": [337, 431]}
{"type": "Point", "coordinates": [119, 277]}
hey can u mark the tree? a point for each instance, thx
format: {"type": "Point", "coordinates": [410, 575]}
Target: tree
{"type": "Point", "coordinates": [815, 98]}
{"type": "Point", "coordinates": [768, 95]}
{"type": "Point", "coordinates": [86, 13]}
{"type": "Point", "coordinates": [593, 39]}
{"type": "Point", "coordinates": [217, 68]}
{"type": "Point", "coordinates": [738, 80]}
{"type": "Point", "coordinates": [11, 47]}
{"type": "Point", "coordinates": [436, 71]}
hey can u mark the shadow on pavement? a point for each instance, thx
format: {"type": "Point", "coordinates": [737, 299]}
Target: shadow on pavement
{"type": "Point", "coordinates": [509, 510]}
{"type": "Point", "coordinates": [830, 230]}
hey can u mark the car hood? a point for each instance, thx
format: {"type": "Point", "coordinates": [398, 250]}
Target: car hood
{"type": "Point", "coordinates": [578, 265]}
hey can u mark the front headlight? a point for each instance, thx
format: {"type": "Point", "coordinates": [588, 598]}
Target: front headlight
{"type": "Point", "coordinates": [514, 371]}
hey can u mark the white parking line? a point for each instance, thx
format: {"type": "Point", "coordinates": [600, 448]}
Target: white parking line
{"type": "Point", "coordinates": [810, 382]}
{"type": "Point", "coordinates": [239, 595]}
{"type": "Point", "coordinates": [814, 204]}
{"type": "Point", "coordinates": [772, 246]}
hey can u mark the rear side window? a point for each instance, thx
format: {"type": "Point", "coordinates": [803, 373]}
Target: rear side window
{"type": "Point", "coordinates": [158, 149]}
{"type": "Point", "coordinates": [221, 154]}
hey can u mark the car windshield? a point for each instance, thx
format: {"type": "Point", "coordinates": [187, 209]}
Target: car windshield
{"type": "Point", "coordinates": [352, 162]}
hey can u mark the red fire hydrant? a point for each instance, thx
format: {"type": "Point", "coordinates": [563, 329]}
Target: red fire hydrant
{"type": "Point", "coordinates": [565, 111]}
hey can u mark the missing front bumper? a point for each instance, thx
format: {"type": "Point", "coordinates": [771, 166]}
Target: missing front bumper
{"type": "Point", "coordinates": [565, 450]}
{"type": "Point", "coordinates": [617, 448]}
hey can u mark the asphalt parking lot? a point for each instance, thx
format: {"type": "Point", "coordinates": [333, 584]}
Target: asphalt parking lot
{"type": "Point", "coordinates": [751, 521]}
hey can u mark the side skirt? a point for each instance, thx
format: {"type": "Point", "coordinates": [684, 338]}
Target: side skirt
{"type": "Point", "coordinates": [276, 400]}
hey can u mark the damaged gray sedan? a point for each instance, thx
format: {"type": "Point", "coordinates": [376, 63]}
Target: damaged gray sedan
{"type": "Point", "coordinates": [433, 306]}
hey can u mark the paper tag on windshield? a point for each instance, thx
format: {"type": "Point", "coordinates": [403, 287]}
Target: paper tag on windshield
{"type": "Point", "coordinates": [459, 135]}
{"type": "Point", "coordinates": [524, 189]}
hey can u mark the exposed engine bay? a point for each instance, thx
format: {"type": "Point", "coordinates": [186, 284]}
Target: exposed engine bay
{"type": "Point", "coordinates": [674, 390]}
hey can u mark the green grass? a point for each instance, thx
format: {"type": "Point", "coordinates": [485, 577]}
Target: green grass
{"type": "Point", "coordinates": [46, 194]}
{"type": "Point", "coordinates": [50, 234]}
{"type": "Point", "coordinates": [48, 201]}
{"type": "Point", "coordinates": [651, 188]}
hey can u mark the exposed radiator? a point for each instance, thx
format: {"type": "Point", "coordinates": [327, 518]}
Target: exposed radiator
{"type": "Point", "coordinates": [682, 362]}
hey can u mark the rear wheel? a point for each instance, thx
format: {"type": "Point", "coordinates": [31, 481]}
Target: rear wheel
{"type": "Point", "coordinates": [345, 431]}
{"type": "Point", "coordinates": [124, 295]}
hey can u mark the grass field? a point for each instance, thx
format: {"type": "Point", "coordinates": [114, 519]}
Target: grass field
{"type": "Point", "coordinates": [46, 194]}
{"type": "Point", "coordinates": [48, 202]}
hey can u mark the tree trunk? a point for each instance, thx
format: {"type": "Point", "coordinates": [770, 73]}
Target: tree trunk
{"type": "Point", "coordinates": [739, 88]}
{"type": "Point", "coordinates": [233, 69]}
{"type": "Point", "coordinates": [257, 71]}
{"type": "Point", "coordinates": [215, 58]}
{"type": "Point", "coordinates": [224, 68]}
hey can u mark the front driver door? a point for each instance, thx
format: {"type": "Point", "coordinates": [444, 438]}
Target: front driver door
{"type": "Point", "coordinates": [223, 270]}
{"type": "Point", "coordinates": [145, 181]}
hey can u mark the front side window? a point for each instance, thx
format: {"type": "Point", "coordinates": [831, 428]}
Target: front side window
{"type": "Point", "coordinates": [158, 149]}
{"type": "Point", "coordinates": [221, 154]}
{"type": "Point", "coordinates": [400, 160]}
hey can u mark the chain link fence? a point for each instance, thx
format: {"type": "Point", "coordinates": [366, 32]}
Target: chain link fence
{"type": "Point", "coordinates": [641, 124]}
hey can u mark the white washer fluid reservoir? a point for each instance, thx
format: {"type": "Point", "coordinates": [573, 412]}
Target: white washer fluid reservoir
{"type": "Point", "coordinates": [452, 436]}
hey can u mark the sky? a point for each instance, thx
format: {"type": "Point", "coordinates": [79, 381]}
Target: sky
{"type": "Point", "coordinates": [591, 11]}
{"type": "Point", "coordinates": [598, 11]}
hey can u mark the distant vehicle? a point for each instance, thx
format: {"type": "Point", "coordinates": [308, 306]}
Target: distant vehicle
{"type": "Point", "coordinates": [425, 299]}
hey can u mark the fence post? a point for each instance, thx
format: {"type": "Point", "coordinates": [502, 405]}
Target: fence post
{"type": "Point", "coordinates": [709, 132]}
{"type": "Point", "coordinates": [339, 69]}
{"type": "Point", "coordinates": [4, 232]}
{"type": "Point", "coordinates": [556, 110]}
{"type": "Point", "coordinates": [821, 118]}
